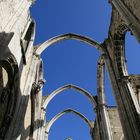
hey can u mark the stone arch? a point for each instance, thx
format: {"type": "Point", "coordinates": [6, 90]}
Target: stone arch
{"type": "Point", "coordinates": [119, 51]}
{"type": "Point", "coordinates": [50, 123]}
{"type": "Point", "coordinates": [68, 36]}
{"type": "Point", "coordinates": [9, 93]}
{"type": "Point", "coordinates": [63, 88]}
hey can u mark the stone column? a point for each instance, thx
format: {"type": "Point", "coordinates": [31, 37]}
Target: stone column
{"type": "Point", "coordinates": [102, 115]}
{"type": "Point", "coordinates": [42, 124]}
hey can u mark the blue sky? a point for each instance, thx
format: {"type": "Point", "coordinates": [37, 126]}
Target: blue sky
{"type": "Point", "coordinates": [72, 61]}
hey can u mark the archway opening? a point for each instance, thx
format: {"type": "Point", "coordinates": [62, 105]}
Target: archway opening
{"type": "Point", "coordinates": [70, 99]}
{"type": "Point", "coordinates": [132, 49]}
{"type": "Point", "coordinates": [70, 129]}
{"type": "Point", "coordinates": [70, 62]}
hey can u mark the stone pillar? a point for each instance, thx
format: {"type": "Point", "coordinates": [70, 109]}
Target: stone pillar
{"type": "Point", "coordinates": [102, 114]}
{"type": "Point", "coordinates": [41, 131]}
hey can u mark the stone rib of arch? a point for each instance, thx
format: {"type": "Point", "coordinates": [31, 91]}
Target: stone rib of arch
{"type": "Point", "coordinates": [50, 123]}
{"type": "Point", "coordinates": [68, 36]}
{"type": "Point", "coordinates": [69, 86]}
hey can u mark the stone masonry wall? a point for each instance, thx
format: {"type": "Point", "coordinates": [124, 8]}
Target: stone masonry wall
{"type": "Point", "coordinates": [115, 123]}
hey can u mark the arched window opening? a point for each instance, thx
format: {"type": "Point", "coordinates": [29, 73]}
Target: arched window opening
{"type": "Point", "coordinates": [27, 38]}
{"type": "Point", "coordinates": [132, 49]}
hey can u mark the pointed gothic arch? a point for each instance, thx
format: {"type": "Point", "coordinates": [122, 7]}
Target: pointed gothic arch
{"type": "Point", "coordinates": [69, 86]}
{"type": "Point", "coordinates": [55, 118]}
{"type": "Point", "coordinates": [68, 36]}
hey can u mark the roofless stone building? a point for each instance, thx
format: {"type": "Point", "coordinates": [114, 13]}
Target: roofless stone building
{"type": "Point", "coordinates": [22, 107]}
